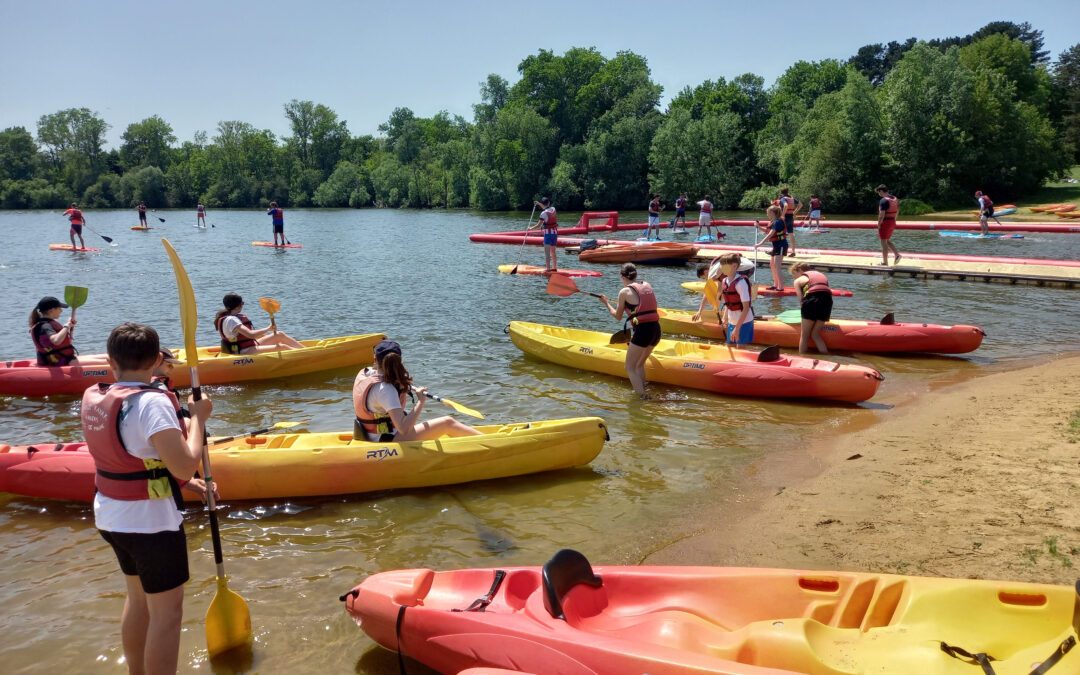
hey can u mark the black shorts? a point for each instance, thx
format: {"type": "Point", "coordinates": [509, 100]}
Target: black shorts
{"type": "Point", "coordinates": [680, 213]}
{"type": "Point", "coordinates": [789, 222]}
{"type": "Point", "coordinates": [279, 228]}
{"type": "Point", "coordinates": [77, 228]}
{"type": "Point", "coordinates": [988, 212]}
{"type": "Point", "coordinates": [160, 560]}
{"type": "Point", "coordinates": [646, 334]}
{"type": "Point", "coordinates": [142, 217]}
{"type": "Point", "coordinates": [817, 306]}
{"type": "Point", "coordinates": [779, 247]}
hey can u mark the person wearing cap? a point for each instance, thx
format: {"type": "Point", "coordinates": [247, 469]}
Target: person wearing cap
{"type": "Point", "coordinates": [52, 339]}
{"type": "Point", "coordinates": [77, 220]}
{"type": "Point", "coordinates": [239, 335]}
{"type": "Point", "coordinates": [549, 225]}
{"type": "Point", "coordinates": [732, 300]}
{"type": "Point", "coordinates": [379, 403]}
{"type": "Point", "coordinates": [163, 371]}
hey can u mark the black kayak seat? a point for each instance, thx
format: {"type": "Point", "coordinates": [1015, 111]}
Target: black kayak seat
{"type": "Point", "coordinates": [566, 569]}
{"type": "Point", "coordinates": [888, 320]}
{"type": "Point", "coordinates": [769, 354]}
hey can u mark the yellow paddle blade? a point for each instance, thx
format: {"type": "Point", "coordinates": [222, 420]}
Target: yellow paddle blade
{"type": "Point", "coordinates": [189, 313]}
{"type": "Point", "coordinates": [270, 305]}
{"type": "Point", "coordinates": [712, 293]}
{"type": "Point", "coordinates": [464, 410]}
{"type": "Point", "coordinates": [228, 621]}
{"type": "Point", "coordinates": [288, 425]}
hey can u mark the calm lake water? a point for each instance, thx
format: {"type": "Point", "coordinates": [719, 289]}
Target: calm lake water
{"type": "Point", "coordinates": [415, 276]}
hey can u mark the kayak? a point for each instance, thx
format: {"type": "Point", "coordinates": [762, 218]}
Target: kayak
{"type": "Point", "coordinates": [569, 617]}
{"type": "Point", "coordinates": [1059, 208]}
{"type": "Point", "coordinates": [271, 244]}
{"type": "Point", "coordinates": [141, 229]}
{"type": "Point", "coordinates": [69, 247]}
{"type": "Point", "coordinates": [543, 272]}
{"type": "Point", "coordinates": [323, 464]}
{"type": "Point", "coordinates": [870, 337]}
{"type": "Point", "coordinates": [1068, 214]}
{"type": "Point", "coordinates": [654, 253]}
{"type": "Point", "coordinates": [1047, 208]}
{"type": "Point", "coordinates": [763, 291]}
{"type": "Point", "coordinates": [26, 378]}
{"type": "Point", "coordinates": [696, 365]}
{"type": "Point", "coordinates": [979, 235]}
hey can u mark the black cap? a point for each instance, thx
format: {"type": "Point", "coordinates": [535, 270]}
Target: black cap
{"type": "Point", "coordinates": [545, 201]}
{"type": "Point", "coordinates": [168, 357]}
{"type": "Point", "coordinates": [232, 301]}
{"type": "Point", "coordinates": [49, 302]}
{"type": "Point", "coordinates": [386, 347]}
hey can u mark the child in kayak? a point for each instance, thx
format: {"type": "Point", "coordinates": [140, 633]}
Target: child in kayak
{"type": "Point", "coordinates": [775, 234]}
{"type": "Point", "coordinates": [142, 453]}
{"type": "Point", "coordinates": [816, 302]}
{"type": "Point", "coordinates": [638, 302]}
{"type": "Point", "coordinates": [52, 339]}
{"type": "Point", "coordinates": [239, 335]}
{"type": "Point", "coordinates": [379, 404]}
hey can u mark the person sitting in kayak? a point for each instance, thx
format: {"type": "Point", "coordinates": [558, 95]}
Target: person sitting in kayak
{"type": "Point", "coordinates": [638, 302]}
{"type": "Point", "coordinates": [816, 301]}
{"type": "Point", "coordinates": [379, 403]}
{"type": "Point", "coordinates": [52, 339]}
{"type": "Point", "coordinates": [239, 335]}
{"type": "Point", "coordinates": [775, 234]}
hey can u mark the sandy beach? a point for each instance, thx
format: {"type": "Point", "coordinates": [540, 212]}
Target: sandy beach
{"type": "Point", "coordinates": [978, 480]}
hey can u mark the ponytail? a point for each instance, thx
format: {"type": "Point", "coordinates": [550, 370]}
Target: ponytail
{"type": "Point", "coordinates": [629, 271]}
{"type": "Point", "coordinates": [221, 313]}
{"type": "Point", "coordinates": [393, 371]}
{"type": "Point", "coordinates": [35, 316]}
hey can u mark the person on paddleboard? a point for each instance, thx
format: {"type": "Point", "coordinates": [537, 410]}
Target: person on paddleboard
{"type": "Point", "coordinates": [655, 207]}
{"type": "Point", "coordinates": [816, 302]}
{"type": "Point", "coordinates": [986, 210]}
{"type": "Point", "coordinates": [813, 220]}
{"type": "Point", "coordinates": [142, 214]}
{"type": "Point", "coordinates": [379, 395]}
{"type": "Point", "coordinates": [549, 225]}
{"type": "Point", "coordinates": [888, 209]}
{"type": "Point", "coordinates": [277, 219]}
{"type": "Point", "coordinates": [52, 339]}
{"type": "Point", "coordinates": [776, 235]}
{"type": "Point", "coordinates": [789, 207]}
{"type": "Point", "coordinates": [239, 335]}
{"type": "Point", "coordinates": [200, 215]}
{"type": "Point", "coordinates": [638, 302]}
{"type": "Point", "coordinates": [77, 220]}
{"type": "Point", "coordinates": [705, 216]}
{"type": "Point", "coordinates": [680, 212]}
{"type": "Point", "coordinates": [144, 452]}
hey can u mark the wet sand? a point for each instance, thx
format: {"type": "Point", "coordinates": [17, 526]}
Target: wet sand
{"type": "Point", "coordinates": [976, 480]}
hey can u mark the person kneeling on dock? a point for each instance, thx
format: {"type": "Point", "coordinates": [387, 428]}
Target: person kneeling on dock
{"type": "Point", "coordinates": [239, 335]}
{"type": "Point", "coordinates": [379, 404]}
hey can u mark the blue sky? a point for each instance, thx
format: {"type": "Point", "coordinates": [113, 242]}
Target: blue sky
{"type": "Point", "coordinates": [198, 62]}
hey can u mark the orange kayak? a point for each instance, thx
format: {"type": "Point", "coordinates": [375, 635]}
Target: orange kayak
{"type": "Point", "coordinates": [568, 617]}
{"type": "Point", "coordinates": [870, 337]}
{"type": "Point", "coordinates": [1045, 208]}
{"type": "Point", "coordinates": [654, 253]}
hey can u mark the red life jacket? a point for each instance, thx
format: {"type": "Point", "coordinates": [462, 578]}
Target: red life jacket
{"type": "Point", "coordinates": [815, 204]}
{"type": "Point", "coordinates": [645, 310]}
{"type": "Point", "coordinates": [121, 475]}
{"type": "Point", "coordinates": [75, 216]}
{"type": "Point", "coordinates": [729, 293]}
{"type": "Point", "coordinates": [142, 208]}
{"type": "Point", "coordinates": [987, 202]}
{"type": "Point", "coordinates": [789, 204]}
{"type": "Point", "coordinates": [654, 207]}
{"type": "Point", "coordinates": [706, 207]}
{"type": "Point", "coordinates": [816, 282]}
{"type": "Point", "coordinates": [551, 222]}
{"type": "Point", "coordinates": [49, 354]}
{"type": "Point", "coordinates": [893, 208]}
{"type": "Point", "coordinates": [775, 235]}
{"type": "Point", "coordinates": [382, 427]}
{"type": "Point", "coordinates": [240, 343]}
{"type": "Point", "coordinates": [680, 203]}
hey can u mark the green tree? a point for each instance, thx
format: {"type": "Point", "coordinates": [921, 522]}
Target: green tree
{"type": "Point", "coordinates": [698, 157]}
{"type": "Point", "coordinates": [18, 154]}
{"type": "Point", "coordinates": [1066, 99]}
{"type": "Point", "coordinates": [74, 146]}
{"type": "Point", "coordinates": [147, 143]}
{"type": "Point", "coordinates": [1011, 58]}
{"type": "Point", "coordinates": [318, 135]}
{"type": "Point", "coordinates": [344, 187]}
{"type": "Point", "coordinates": [146, 184]}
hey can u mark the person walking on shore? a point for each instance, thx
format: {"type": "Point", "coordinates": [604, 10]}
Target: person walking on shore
{"type": "Point", "coordinates": [986, 210]}
{"type": "Point", "coordinates": [77, 220]}
{"type": "Point", "coordinates": [888, 208]}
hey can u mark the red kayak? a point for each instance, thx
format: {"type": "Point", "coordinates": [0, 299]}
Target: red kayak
{"type": "Point", "coordinates": [653, 253]}
{"type": "Point", "coordinates": [765, 291]}
{"type": "Point", "coordinates": [572, 619]}
{"type": "Point", "coordinates": [543, 272]}
{"type": "Point", "coordinates": [270, 244]}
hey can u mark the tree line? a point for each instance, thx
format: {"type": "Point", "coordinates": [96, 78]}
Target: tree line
{"type": "Point", "coordinates": [935, 119]}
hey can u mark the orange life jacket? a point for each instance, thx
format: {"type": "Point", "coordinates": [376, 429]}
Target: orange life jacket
{"type": "Point", "coordinates": [893, 208]}
{"type": "Point", "coordinates": [729, 293]}
{"type": "Point", "coordinates": [645, 310]}
{"type": "Point", "coordinates": [816, 282]}
{"type": "Point", "coordinates": [238, 344]}
{"type": "Point", "coordinates": [380, 426]}
{"type": "Point", "coordinates": [49, 354]}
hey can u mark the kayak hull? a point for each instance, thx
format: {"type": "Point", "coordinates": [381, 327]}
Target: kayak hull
{"type": "Point", "coordinates": [657, 253]}
{"type": "Point", "coordinates": [325, 464]}
{"type": "Point", "coordinates": [734, 621]}
{"type": "Point", "coordinates": [869, 337]}
{"type": "Point", "coordinates": [764, 292]}
{"type": "Point", "coordinates": [26, 378]}
{"type": "Point", "coordinates": [695, 365]}
{"type": "Point", "coordinates": [536, 270]}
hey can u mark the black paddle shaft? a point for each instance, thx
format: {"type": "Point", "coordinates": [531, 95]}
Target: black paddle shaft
{"type": "Point", "coordinates": [215, 530]}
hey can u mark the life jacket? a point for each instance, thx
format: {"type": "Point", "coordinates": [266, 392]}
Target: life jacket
{"type": "Point", "coordinates": [706, 207]}
{"type": "Point", "coordinates": [49, 354]}
{"type": "Point", "coordinates": [142, 208]}
{"type": "Point", "coordinates": [241, 342]}
{"type": "Point", "coordinates": [987, 202]}
{"type": "Point", "coordinates": [200, 209]}
{"type": "Point", "coordinates": [654, 207]}
{"type": "Point", "coordinates": [816, 282]}
{"type": "Point", "coordinates": [366, 420]}
{"type": "Point", "coordinates": [893, 208]}
{"type": "Point", "coordinates": [775, 235]}
{"type": "Point", "coordinates": [789, 204]}
{"type": "Point", "coordinates": [680, 203]}
{"type": "Point", "coordinates": [277, 215]}
{"type": "Point", "coordinates": [729, 292]}
{"type": "Point", "coordinates": [815, 204]}
{"type": "Point", "coordinates": [645, 310]}
{"type": "Point", "coordinates": [121, 475]}
{"type": "Point", "coordinates": [551, 221]}
{"type": "Point", "coordinates": [75, 216]}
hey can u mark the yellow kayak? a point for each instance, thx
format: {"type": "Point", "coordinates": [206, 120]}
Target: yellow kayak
{"type": "Point", "coordinates": [323, 464]}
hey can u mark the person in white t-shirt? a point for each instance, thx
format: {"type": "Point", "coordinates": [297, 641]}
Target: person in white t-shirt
{"type": "Point", "coordinates": [142, 453]}
{"type": "Point", "coordinates": [240, 336]}
{"type": "Point", "coordinates": [379, 403]}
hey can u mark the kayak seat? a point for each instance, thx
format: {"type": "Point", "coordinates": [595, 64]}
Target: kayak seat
{"type": "Point", "coordinates": [566, 569]}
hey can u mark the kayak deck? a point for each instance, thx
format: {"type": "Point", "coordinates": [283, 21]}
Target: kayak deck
{"type": "Point", "coordinates": [536, 270]}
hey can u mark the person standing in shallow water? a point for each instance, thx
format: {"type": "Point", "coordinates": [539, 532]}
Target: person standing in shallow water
{"type": "Point", "coordinates": [638, 302]}
{"type": "Point", "coordinates": [816, 301]}
{"type": "Point", "coordinates": [888, 208]}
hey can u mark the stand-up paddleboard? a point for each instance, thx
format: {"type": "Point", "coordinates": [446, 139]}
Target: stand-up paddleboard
{"type": "Point", "coordinates": [708, 239]}
{"type": "Point", "coordinates": [69, 247]}
{"type": "Point", "coordinates": [979, 235]}
{"type": "Point", "coordinates": [812, 230]}
{"type": "Point", "coordinates": [536, 270]}
{"type": "Point", "coordinates": [646, 240]}
{"type": "Point", "coordinates": [199, 227]}
{"type": "Point", "coordinates": [270, 244]}
{"type": "Point", "coordinates": [680, 231]}
{"type": "Point", "coordinates": [140, 228]}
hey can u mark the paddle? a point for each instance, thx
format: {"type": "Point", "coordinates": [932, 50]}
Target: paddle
{"type": "Point", "coordinates": [563, 286]}
{"type": "Point", "coordinates": [107, 239]}
{"type": "Point", "coordinates": [271, 307]}
{"type": "Point", "coordinates": [464, 410]}
{"type": "Point", "coordinates": [526, 237]}
{"type": "Point", "coordinates": [259, 432]}
{"type": "Point", "coordinates": [153, 211]}
{"type": "Point", "coordinates": [228, 620]}
{"type": "Point", "coordinates": [75, 297]}
{"type": "Point", "coordinates": [791, 316]}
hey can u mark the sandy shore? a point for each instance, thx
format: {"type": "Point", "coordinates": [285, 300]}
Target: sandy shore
{"type": "Point", "coordinates": [980, 480]}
